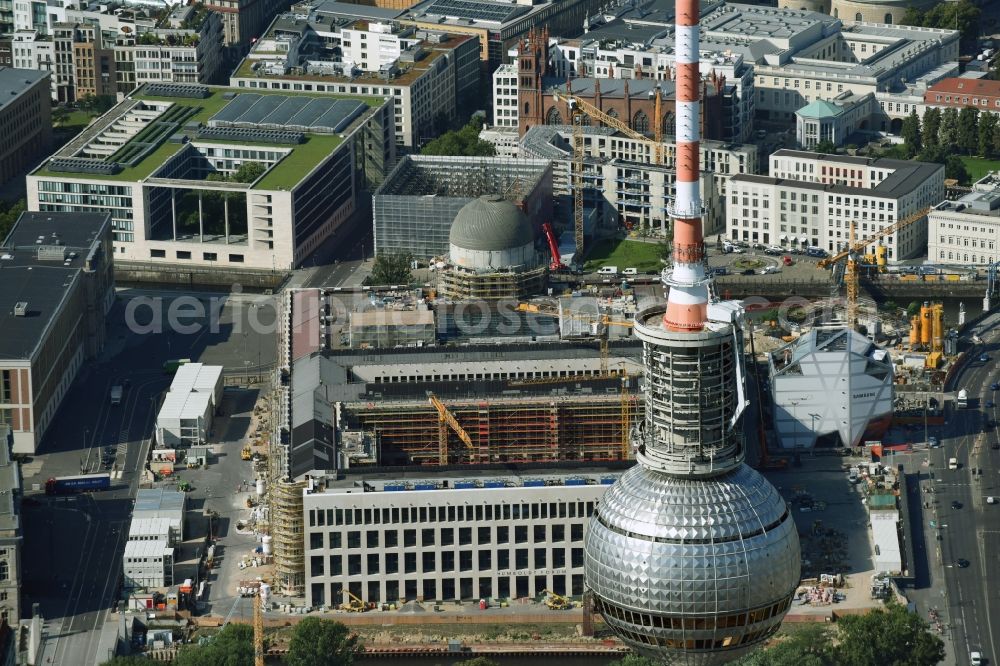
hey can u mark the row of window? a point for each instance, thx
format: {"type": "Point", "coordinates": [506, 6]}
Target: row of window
{"type": "Point", "coordinates": [967, 258]}
{"type": "Point", "coordinates": [689, 623]}
{"type": "Point", "coordinates": [446, 536]}
{"type": "Point", "coordinates": [425, 514]}
{"type": "Point", "coordinates": [186, 255]}
{"type": "Point", "coordinates": [982, 244]}
{"type": "Point", "coordinates": [976, 101]}
{"type": "Point", "coordinates": [464, 587]}
{"type": "Point", "coordinates": [430, 563]}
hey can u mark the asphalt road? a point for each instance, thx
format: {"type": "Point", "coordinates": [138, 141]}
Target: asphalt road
{"type": "Point", "coordinates": [972, 532]}
{"type": "Point", "coordinates": [73, 545]}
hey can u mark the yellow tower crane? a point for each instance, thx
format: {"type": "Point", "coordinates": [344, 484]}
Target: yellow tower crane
{"type": "Point", "coordinates": [579, 107]}
{"type": "Point", "coordinates": [854, 248]}
{"type": "Point", "coordinates": [607, 322]}
{"type": "Point", "coordinates": [446, 419]}
{"type": "Point", "coordinates": [578, 185]}
{"type": "Point", "coordinates": [258, 631]}
{"type": "Point", "coordinates": [626, 404]}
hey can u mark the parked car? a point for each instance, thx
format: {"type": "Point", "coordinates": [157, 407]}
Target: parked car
{"type": "Point", "coordinates": [962, 563]}
{"type": "Point", "coordinates": [955, 504]}
{"type": "Point", "coordinates": [773, 250]}
{"type": "Point", "coordinates": [994, 386]}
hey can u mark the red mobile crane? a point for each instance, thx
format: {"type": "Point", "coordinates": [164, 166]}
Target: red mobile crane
{"type": "Point", "coordinates": [556, 264]}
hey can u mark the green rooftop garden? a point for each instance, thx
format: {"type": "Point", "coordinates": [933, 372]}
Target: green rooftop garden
{"type": "Point", "coordinates": [285, 174]}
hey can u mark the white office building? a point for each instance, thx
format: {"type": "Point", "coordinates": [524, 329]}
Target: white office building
{"type": "Point", "coordinates": [505, 97]}
{"type": "Point", "coordinates": [966, 231]}
{"type": "Point", "coordinates": [811, 199]}
{"type": "Point", "coordinates": [623, 184]}
{"type": "Point", "coordinates": [429, 537]}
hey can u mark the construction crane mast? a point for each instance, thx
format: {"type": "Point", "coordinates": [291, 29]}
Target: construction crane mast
{"type": "Point", "coordinates": [258, 631]}
{"type": "Point", "coordinates": [579, 107]}
{"type": "Point", "coordinates": [447, 419]}
{"type": "Point", "coordinates": [578, 185]}
{"type": "Point", "coordinates": [851, 253]}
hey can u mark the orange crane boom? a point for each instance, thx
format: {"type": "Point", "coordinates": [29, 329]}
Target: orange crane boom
{"type": "Point", "coordinates": [446, 418]}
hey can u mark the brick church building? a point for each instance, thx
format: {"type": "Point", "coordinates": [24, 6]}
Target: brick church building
{"type": "Point", "coordinates": [629, 100]}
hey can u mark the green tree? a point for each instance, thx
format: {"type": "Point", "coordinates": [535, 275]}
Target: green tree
{"type": "Point", "coordinates": [890, 637]}
{"type": "Point", "coordinates": [9, 212]}
{"type": "Point", "coordinates": [826, 146]}
{"type": "Point", "coordinates": [233, 646]}
{"type": "Point", "coordinates": [391, 268]}
{"type": "Point", "coordinates": [962, 16]}
{"type": "Point", "coordinates": [59, 114]}
{"type": "Point", "coordinates": [249, 172]}
{"type": "Point", "coordinates": [808, 645]}
{"type": "Point", "coordinates": [634, 660]}
{"type": "Point", "coordinates": [464, 141]}
{"type": "Point", "coordinates": [987, 131]}
{"type": "Point", "coordinates": [948, 134]}
{"type": "Point", "coordinates": [911, 133]}
{"type": "Point", "coordinates": [318, 642]}
{"type": "Point", "coordinates": [954, 167]}
{"type": "Point", "coordinates": [968, 130]}
{"type": "Point", "coordinates": [130, 660]}
{"type": "Point", "coordinates": [931, 127]}
{"type": "Point", "coordinates": [913, 309]}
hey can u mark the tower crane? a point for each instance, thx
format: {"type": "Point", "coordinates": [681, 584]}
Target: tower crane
{"type": "Point", "coordinates": [851, 252]}
{"type": "Point", "coordinates": [579, 107]}
{"type": "Point", "coordinates": [447, 419]}
{"type": "Point", "coordinates": [258, 631]}
{"type": "Point", "coordinates": [607, 322]}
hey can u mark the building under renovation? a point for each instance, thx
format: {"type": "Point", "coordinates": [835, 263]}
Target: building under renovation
{"type": "Point", "coordinates": [832, 385]}
{"type": "Point", "coordinates": [491, 254]}
{"type": "Point", "coordinates": [522, 403]}
{"type": "Point", "coordinates": [415, 207]}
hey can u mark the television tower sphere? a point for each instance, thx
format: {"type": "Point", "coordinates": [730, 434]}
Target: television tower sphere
{"type": "Point", "coordinates": [692, 557]}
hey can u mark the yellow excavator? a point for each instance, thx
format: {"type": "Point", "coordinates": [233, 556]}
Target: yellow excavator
{"type": "Point", "coordinates": [556, 601]}
{"type": "Point", "coordinates": [355, 605]}
{"type": "Point", "coordinates": [245, 453]}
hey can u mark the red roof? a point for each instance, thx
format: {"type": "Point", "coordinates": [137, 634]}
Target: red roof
{"type": "Point", "coordinates": [985, 87]}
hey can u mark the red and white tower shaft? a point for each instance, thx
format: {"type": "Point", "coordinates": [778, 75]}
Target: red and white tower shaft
{"type": "Point", "coordinates": [687, 298]}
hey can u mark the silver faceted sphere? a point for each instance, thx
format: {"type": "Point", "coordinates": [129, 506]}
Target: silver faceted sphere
{"type": "Point", "coordinates": [692, 571]}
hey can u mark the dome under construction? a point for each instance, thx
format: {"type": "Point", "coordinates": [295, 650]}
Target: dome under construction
{"type": "Point", "coordinates": [492, 253]}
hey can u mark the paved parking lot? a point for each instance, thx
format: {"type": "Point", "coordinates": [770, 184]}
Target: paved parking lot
{"type": "Point", "coordinates": [833, 528]}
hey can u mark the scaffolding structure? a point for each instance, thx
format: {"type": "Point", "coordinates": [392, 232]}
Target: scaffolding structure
{"type": "Point", "coordinates": [415, 206]}
{"type": "Point", "coordinates": [460, 284]}
{"type": "Point", "coordinates": [287, 531]}
{"type": "Point", "coordinates": [550, 428]}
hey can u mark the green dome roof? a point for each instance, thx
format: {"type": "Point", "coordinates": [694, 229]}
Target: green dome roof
{"type": "Point", "coordinates": [490, 223]}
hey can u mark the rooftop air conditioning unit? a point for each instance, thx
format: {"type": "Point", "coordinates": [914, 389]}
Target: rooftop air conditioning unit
{"type": "Point", "coordinates": [21, 309]}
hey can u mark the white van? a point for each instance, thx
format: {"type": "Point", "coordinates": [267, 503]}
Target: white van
{"type": "Point", "coordinates": [952, 463]}
{"type": "Point", "coordinates": [630, 271]}
{"type": "Point", "coordinates": [607, 270]}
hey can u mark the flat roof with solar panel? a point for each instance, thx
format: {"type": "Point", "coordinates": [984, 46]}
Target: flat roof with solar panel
{"type": "Point", "coordinates": [476, 10]}
{"type": "Point", "coordinates": [301, 130]}
{"type": "Point", "coordinates": [276, 112]}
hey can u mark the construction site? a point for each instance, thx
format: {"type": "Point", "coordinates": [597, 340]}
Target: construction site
{"type": "Point", "coordinates": [543, 402]}
{"type": "Point", "coordinates": [415, 207]}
